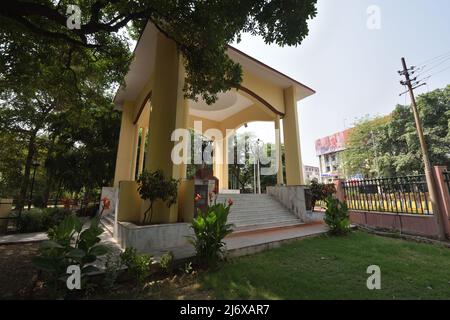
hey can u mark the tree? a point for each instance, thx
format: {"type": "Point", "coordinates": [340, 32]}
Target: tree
{"type": "Point", "coordinates": [388, 146]}
{"type": "Point", "coordinates": [201, 30]}
{"type": "Point", "coordinates": [242, 170]}
{"type": "Point", "coordinates": [154, 186]}
{"type": "Point", "coordinates": [363, 147]}
{"type": "Point", "coordinates": [45, 90]}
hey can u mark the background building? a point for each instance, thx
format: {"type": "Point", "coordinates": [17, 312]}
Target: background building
{"type": "Point", "coordinates": [329, 150]}
{"type": "Point", "coordinates": [310, 173]}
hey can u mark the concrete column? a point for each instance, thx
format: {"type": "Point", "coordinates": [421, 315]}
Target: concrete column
{"type": "Point", "coordinates": [182, 116]}
{"type": "Point", "coordinates": [280, 178]}
{"type": "Point", "coordinates": [340, 194]}
{"type": "Point", "coordinates": [225, 174]}
{"type": "Point", "coordinates": [169, 112]}
{"type": "Point", "coordinates": [444, 197]}
{"type": "Point", "coordinates": [135, 153]}
{"type": "Point", "coordinates": [218, 162]}
{"type": "Point", "coordinates": [142, 150]}
{"type": "Point", "coordinates": [294, 171]}
{"type": "Point", "coordinates": [125, 148]}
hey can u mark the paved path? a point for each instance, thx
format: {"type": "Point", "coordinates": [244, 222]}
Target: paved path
{"type": "Point", "coordinates": [238, 244]}
{"type": "Point", "coordinates": [23, 238]}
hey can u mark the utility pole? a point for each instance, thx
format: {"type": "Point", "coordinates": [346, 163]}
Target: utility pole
{"type": "Point", "coordinates": [431, 181]}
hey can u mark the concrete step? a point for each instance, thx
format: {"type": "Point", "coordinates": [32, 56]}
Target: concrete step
{"type": "Point", "coordinates": [262, 220]}
{"type": "Point", "coordinates": [266, 226]}
{"type": "Point", "coordinates": [257, 212]}
{"type": "Point", "coordinates": [108, 223]}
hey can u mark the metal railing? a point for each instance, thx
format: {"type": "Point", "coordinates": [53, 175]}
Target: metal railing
{"type": "Point", "coordinates": [447, 179]}
{"type": "Point", "coordinates": [396, 195]}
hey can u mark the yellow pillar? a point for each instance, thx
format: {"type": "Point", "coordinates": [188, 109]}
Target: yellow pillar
{"type": "Point", "coordinates": [182, 116]}
{"type": "Point", "coordinates": [142, 150]}
{"type": "Point", "coordinates": [124, 158]}
{"type": "Point", "coordinates": [135, 153]}
{"type": "Point", "coordinates": [169, 111]}
{"type": "Point", "coordinates": [280, 178]}
{"type": "Point", "coordinates": [218, 162]}
{"type": "Point", "coordinates": [294, 172]}
{"type": "Point", "coordinates": [225, 164]}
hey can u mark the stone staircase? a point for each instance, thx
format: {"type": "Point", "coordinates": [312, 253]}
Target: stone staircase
{"type": "Point", "coordinates": [258, 211]}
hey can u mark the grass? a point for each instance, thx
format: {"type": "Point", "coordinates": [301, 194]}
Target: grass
{"type": "Point", "coordinates": [322, 268]}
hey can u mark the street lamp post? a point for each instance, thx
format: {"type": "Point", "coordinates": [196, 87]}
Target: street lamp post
{"type": "Point", "coordinates": [258, 168]}
{"type": "Point", "coordinates": [35, 164]}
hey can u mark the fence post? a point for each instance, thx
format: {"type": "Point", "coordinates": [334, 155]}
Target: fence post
{"type": "Point", "coordinates": [444, 197]}
{"type": "Point", "coordinates": [340, 194]}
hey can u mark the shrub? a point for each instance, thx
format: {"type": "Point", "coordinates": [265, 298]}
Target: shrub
{"type": "Point", "coordinates": [38, 201]}
{"type": "Point", "coordinates": [166, 262]}
{"type": "Point", "coordinates": [138, 264]}
{"type": "Point", "coordinates": [36, 220]}
{"type": "Point", "coordinates": [320, 191]}
{"type": "Point", "coordinates": [187, 268]}
{"type": "Point", "coordinates": [69, 245]}
{"type": "Point", "coordinates": [153, 186]}
{"type": "Point", "coordinates": [31, 221]}
{"type": "Point", "coordinates": [210, 229]}
{"type": "Point", "coordinates": [337, 217]}
{"type": "Point", "coordinates": [113, 268]}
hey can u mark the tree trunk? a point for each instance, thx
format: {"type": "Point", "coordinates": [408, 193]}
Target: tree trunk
{"type": "Point", "coordinates": [26, 175]}
{"type": "Point", "coordinates": [49, 175]}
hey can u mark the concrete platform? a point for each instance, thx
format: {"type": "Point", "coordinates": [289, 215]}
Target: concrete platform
{"type": "Point", "coordinates": [250, 242]}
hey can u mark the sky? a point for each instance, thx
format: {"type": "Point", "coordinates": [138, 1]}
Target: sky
{"type": "Point", "coordinates": [352, 67]}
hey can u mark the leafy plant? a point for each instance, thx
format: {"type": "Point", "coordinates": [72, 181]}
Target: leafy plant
{"type": "Point", "coordinates": [153, 186]}
{"type": "Point", "coordinates": [69, 244]}
{"type": "Point", "coordinates": [138, 264]}
{"type": "Point", "coordinates": [36, 220]}
{"type": "Point", "coordinates": [187, 268]}
{"type": "Point", "coordinates": [337, 217]}
{"type": "Point", "coordinates": [113, 268]}
{"type": "Point", "coordinates": [166, 262]}
{"type": "Point", "coordinates": [320, 191]}
{"type": "Point", "coordinates": [210, 229]}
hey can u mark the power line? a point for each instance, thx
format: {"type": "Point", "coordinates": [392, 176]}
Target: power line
{"type": "Point", "coordinates": [438, 72]}
{"type": "Point", "coordinates": [432, 67]}
{"type": "Point", "coordinates": [430, 60]}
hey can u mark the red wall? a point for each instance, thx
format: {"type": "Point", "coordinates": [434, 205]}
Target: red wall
{"type": "Point", "coordinates": [410, 224]}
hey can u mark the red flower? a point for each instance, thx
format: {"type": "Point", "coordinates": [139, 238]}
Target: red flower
{"type": "Point", "coordinates": [197, 197]}
{"type": "Point", "coordinates": [230, 202]}
{"type": "Point", "coordinates": [106, 203]}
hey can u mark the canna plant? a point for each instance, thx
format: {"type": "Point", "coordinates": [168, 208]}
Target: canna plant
{"type": "Point", "coordinates": [210, 229]}
{"type": "Point", "coordinates": [70, 244]}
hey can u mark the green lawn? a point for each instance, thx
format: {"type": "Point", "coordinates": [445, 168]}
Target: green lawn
{"type": "Point", "coordinates": [317, 268]}
{"type": "Point", "coordinates": [335, 268]}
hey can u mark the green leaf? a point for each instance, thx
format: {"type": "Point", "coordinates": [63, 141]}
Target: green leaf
{"type": "Point", "coordinates": [44, 263]}
{"type": "Point", "coordinates": [76, 254]}
{"type": "Point", "coordinates": [99, 250]}
{"type": "Point", "coordinates": [89, 269]}
{"type": "Point", "coordinates": [50, 244]}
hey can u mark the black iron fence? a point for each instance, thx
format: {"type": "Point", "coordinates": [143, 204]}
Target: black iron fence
{"type": "Point", "coordinates": [447, 179]}
{"type": "Point", "coordinates": [397, 195]}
